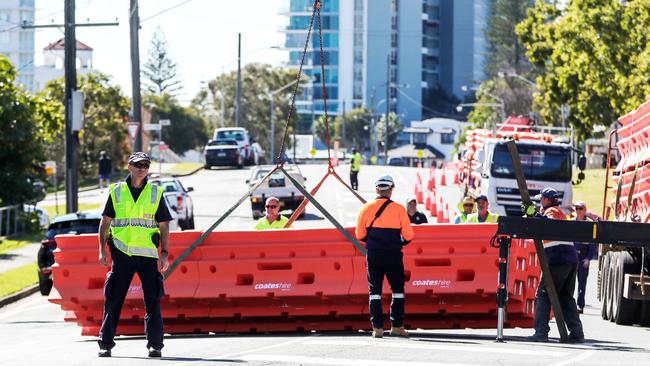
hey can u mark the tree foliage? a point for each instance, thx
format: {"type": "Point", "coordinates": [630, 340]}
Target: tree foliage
{"type": "Point", "coordinates": [187, 130]}
{"type": "Point", "coordinates": [258, 81]}
{"type": "Point", "coordinates": [596, 59]}
{"type": "Point", "coordinates": [21, 148]}
{"type": "Point", "coordinates": [394, 129]}
{"type": "Point", "coordinates": [105, 108]}
{"type": "Point", "coordinates": [505, 59]}
{"type": "Point", "coordinates": [160, 70]}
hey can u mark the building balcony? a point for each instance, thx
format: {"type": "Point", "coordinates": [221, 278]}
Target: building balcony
{"type": "Point", "coordinates": [432, 52]}
{"type": "Point", "coordinates": [430, 18]}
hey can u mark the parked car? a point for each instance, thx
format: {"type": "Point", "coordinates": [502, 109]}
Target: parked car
{"type": "Point", "coordinates": [397, 161]}
{"type": "Point", "coordinates": [76, 223]}
{"type": "Point", "coordinates": [243, 139]}
{"type": "Point", "coordinates": [278, 186]}
{"type": "Point", "coordinates": [223, 153]}
{"type": "Point", "coordinates": [184, 205]}
{"type": "Point", "coordinates": [170, 199]}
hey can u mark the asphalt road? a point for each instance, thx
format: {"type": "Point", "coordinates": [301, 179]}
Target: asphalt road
{"type": "Point", "coordinates": [32, 331]}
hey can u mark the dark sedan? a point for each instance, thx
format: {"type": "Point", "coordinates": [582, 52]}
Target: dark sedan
{"type": "Point", "coordinates": [223, 153]}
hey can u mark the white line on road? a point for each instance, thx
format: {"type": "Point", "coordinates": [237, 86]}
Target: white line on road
{"type": "Point", "coordinates": [303, 360]}
{"type": "Point", "coordinates": [581, 357]}
{"type": "Point", "coordinates": [438, 347]}
{"type": "Point", "coordinates": [230, 355]}
{"type": "Point", "coordinates": [22, 308]}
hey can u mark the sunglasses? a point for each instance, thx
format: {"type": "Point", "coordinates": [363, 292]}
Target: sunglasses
{"type": "Point", "coordinates": [468, 205]}
{"type": "Point", "coordinates": [141, 165]}
{"type": "Point", "coordinates": [271, 206]}
{"type": "Point", "coordinates": [579, 208]}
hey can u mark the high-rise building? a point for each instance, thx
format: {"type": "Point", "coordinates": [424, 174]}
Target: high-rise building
{"type": "Point", "coordinates": [367, 42]}
{"type": "Point", "coordinates": [17, 43]}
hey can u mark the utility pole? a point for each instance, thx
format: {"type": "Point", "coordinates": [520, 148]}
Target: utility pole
{"type": "Point", "coordinates": [71, 137]}
{"type": "Point", "coordinates": [238, 97]}
{"type": "Point", "coordinates": [134, 24]}
{"type": "Point", "coordinates": [343, 133]}
{"type": "Point", "coordinates": [387, 108]}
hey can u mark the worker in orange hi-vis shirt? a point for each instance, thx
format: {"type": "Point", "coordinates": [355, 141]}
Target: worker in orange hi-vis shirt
{"type": "Point", "coordinates": [385, 227]}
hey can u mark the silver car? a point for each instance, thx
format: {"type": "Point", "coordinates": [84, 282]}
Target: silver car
{"type": "Point", "coordinates": [184, 206]}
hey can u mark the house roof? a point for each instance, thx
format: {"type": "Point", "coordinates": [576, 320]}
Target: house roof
{"type": "Point", "coordinates": [411, 151]}
{"type": "Point", "coordinates": [426, 130]}
{"type": "Point", "coordinates": [60, 45]}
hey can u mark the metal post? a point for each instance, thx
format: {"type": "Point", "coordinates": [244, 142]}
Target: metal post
{"type": "Point", "coordinates": [238, 96]}
{"type": "Point", "coordinates": [273, 129]}
{"type": "Point", "coordinates": [387, 109]}
{"type": "Point", "coordinates": [71, 138]}
{"type": "Point", "coordinates": [502, 289]}
{"type": "Point", "coordinates": [134, 24]}
{"type": "Point", "coordinates": [223, 103]}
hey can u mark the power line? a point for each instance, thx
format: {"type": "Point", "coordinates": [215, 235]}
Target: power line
{"type": "Point", "coordinates": [19, 25]}
{"type": "Point", "coordinates": [421, 105]}
{"type": "Point", "coordinates": [165, 10]}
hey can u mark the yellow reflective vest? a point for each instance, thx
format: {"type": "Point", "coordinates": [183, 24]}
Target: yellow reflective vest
{"type": "Point", "coordinates": [356, 162]}
{"type": "Point", "coordinates": [473, 218]}
{"type": "Point", "coordinates": [263, 223]}
{"type": "Point", "coordinates": [134, 223]}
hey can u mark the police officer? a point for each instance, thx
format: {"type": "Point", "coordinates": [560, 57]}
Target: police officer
{"type": "Point", "coordinates": [135, 220]}
{"type": "Point", "coordinates": [482, 213]}
{"type": "Point", "coordinates": [272, 219]}
{"type": "Point", "coordinates": [586, 252]}
{"type": "Point", "coordinates": [355, 166]}
{"type": "Point", "coordinates": [467, 209]}
{"type": "Point", "coordinates": [415, 216]}
{"type": "Point", "coordinates": [562, 261]}
{"type": "Point", "coordinates": [385, 227]}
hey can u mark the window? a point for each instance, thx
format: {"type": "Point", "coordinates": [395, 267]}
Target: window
{"type": "Point", "coordinates": [447, 138]}
{"type": "Point", "coordinates": [419, 138]}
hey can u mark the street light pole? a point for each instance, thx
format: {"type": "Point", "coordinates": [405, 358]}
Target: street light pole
{"type": "Point", "coordinates": [238, 97]}
{"type": "Point", "coordinates": [387, 108]}
{"type": "Point", "coordinates": [271, 95]}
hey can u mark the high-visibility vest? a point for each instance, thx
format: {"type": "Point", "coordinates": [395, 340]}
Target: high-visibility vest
{"type": "Point", "coordinates": [134, 223]}
{"type": "Point", "coordinates": [264, 224]}
{"type": "Point", "coordinates": [473, 218]}
{"type": "Point", "coordinates": [461, 218]}
{"type": "Point", "coordinates": [356, 162]}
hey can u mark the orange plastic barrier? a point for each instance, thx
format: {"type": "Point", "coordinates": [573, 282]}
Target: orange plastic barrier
{"type": "Point", "coordinates": [301, 280]}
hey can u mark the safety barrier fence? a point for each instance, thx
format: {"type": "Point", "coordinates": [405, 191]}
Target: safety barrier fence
{"type": "Point", "coordinates": [302, 280]}
{"type": "Point", "coordinates": [632, 174]}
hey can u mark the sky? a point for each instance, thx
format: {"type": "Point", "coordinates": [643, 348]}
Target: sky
{"type": "Point", "coordinates": [201, 34]}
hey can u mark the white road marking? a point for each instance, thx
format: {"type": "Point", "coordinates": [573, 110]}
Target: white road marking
{"type": "Point", "coordinates": [22, 308]}
{"type": "Point", "coordinates": [304, 360]}
{"type": "Point", "coordinates": [231, 355]}
{"type": "Point", "coordinates": [581, 357]}
{"type": "Point", "coordinates": [437, 347]}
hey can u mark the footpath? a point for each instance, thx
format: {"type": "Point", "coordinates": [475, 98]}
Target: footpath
{"type": "Point", "coordinates": [13, 263]}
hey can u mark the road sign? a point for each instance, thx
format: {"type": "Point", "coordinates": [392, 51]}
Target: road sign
{"type": "Point", "coordinates": [133, 128]}
{"type": "Point", "coordinates": [165, 122]}
{"type": "Point", "coordinates": [420, 154]}
{"type": "Point", "coordinates": [312, 152]}
{"type": "Point", "coordinates": [151, 127]}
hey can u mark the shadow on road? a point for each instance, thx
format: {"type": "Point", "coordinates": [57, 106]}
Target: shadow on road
{"type": "Point", "coordinates": [186, 359]}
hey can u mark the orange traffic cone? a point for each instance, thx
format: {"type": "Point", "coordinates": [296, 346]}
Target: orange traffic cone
{"type": "Point", "coordinates": [434, 206]}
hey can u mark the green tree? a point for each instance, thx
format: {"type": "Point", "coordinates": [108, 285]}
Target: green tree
{"type": "Point", "coordinates": [596, 59]}
{"type": "Point", "coordinates": [357, 128]}
{"type": "Point", "coordinates": [21, 149]}
{"type": "Point", "coordinates": [160, 70]}
{"type": "Point", "coordinates": [188, 129]}
{"type": "Point", "coordinates": [394, 129]}
{"type": "Point", "coordinates": [105, 108]}
{"type": "Point", "coordinates": [258, 81]}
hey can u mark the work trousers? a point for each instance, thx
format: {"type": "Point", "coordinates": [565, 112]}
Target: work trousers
{"type": "Point", "coordinates": [116, 287]}
{"type": "Point", "coordinates": [564, 277]}
{"type": "Point", "coordinates": [380, 263]}
{"type": "Point", "coordinates": [582, 284]}
{"type": "Point", "coordinates": [354, 180]}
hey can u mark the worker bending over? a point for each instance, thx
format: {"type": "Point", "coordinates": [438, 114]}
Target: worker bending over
{"type": "Point", "coordinates": [385, 227]}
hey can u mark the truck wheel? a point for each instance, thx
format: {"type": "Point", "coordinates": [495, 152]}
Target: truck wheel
{"type": "Point", "coordinates": [44, 284]}
{"type": "Point", "coordinates": [627, 309]}
{"type": "Point", "coordinates": [604, 287]}
{"type": "Point", "coordinates": [611, 282]}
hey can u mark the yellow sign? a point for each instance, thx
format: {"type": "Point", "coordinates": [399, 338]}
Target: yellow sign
{"type": "Point", "coordinates": [373, 159]}
{"type": "Point", "coordinates": [50, 168]}
{"type": "Point", "coordinates": [420, 154]}
{"type": "Point", "coordinates": [312, 152]}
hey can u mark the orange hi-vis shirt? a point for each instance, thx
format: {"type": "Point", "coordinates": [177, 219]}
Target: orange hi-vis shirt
{"type": "Point", "coordinates": [390, 231]}
{"type": "Point", "coordinates": [557, 251]}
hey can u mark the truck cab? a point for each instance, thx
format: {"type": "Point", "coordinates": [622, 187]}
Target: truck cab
{"type": "Point", "coordinates": [544, 165]}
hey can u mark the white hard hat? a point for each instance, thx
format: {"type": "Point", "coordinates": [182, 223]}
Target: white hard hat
{"type": "Point", "coordinates": [384, 182]}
